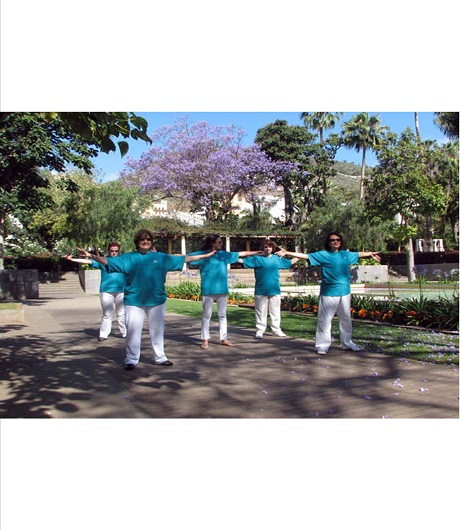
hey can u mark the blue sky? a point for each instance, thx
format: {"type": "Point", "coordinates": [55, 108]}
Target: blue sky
{"type": "Point", "coordinates": [109, 166]}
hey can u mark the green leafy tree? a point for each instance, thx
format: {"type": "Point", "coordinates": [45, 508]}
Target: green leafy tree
{"type": "Point", "coordinates": [98, 128]}
{"type": "Point", "coordinates": [312, 166]}
{"type": "Point", "coordinates": [347, 215]}
{"type": "Point", "coordinates": [447, 166]}
{"type": "Point", "coordinates": [363, 132]}
{"type": "Point", "coordinates": [285, 143]}
{"type": "Point", "coordinates": [103, 213]}
{"type": "Point", "coordinates": [30, 142]}
{"type": "Point", "coordinates": [65, 191]}
{"type": "Point", "coordinates": [402, 187]}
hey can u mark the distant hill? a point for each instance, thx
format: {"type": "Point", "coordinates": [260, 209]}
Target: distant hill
{"type": "Point", "coordinates": [347, 168]}
{"type": "Point", "coordinates": [348, 175]}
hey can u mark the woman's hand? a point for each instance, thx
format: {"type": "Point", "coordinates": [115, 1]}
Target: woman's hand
{"type": "Point", "coordinates": [84, 252]}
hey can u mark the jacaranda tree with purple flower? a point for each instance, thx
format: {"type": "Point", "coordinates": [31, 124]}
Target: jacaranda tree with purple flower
{"type": "Point", "coordinates": [205, 165]}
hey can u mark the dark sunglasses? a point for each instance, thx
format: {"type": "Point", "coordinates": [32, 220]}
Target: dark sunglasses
{"type": "Point", "coordinates": [145, 239]}
{"type": "Point", "coordinates": [332, 240]}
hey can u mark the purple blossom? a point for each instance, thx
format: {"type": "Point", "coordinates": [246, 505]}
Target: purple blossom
{"type": "Point", "coordinates": [205, 165]}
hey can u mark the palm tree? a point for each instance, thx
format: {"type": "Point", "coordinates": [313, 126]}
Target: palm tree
{"type": "Point", "coordinates": [448, 123]}
{"type": "Point", "coordinates": [363, 132]}
{"type": "Point", "coordinates": [320, 121]}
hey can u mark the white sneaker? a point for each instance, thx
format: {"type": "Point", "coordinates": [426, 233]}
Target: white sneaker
{"type": "Point", "coordinates": [279, 333]}
{"type": "Point", "coordinates": [321, 352]}
{"type": "Point", "coordinates": [352, 346]}
{"type": "Point", "coordinates": [259, 335]}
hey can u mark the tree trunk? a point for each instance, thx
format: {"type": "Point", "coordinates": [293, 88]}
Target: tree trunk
{"type": "Point", "coordinates": [288, 206]}
{"type": "Point", "coordinates": [2, 244]}
{"type": "Point", "coordinates": [410, 260]}
{"type": "Point", "coordinates": [417, 128]}
{"type": "Point", "coordinates": [363, 175]}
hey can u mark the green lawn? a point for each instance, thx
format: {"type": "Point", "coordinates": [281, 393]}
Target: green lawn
{"type": "Point", "coordinates": [422, 345]}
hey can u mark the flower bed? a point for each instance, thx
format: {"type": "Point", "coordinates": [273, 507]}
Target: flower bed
{"type": "Point", "coordinates": [440, 313]}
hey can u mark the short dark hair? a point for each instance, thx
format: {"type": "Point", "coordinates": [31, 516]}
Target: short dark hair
{"type": "Point", "coordinates": [327, 245]}
{"type": "Point", "coordinates": [266, 242]}
{"type": "Point", "coordinates": [113, 244]}
{"type": "Point", "coordinates": [140, 234]}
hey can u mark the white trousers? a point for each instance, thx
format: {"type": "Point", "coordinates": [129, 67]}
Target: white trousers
{"type": "Point", "coordinates": [268, 305]}
{"type": "Point", "coordinates": [328, 307]}
{"type": "Point", "coordinates": [222, 301]}
{"type": "Point", "coordinates": [109, 301]}
{"type": "Point", "coordinates": [134, 324]}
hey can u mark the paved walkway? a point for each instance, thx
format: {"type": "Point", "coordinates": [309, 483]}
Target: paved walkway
{"type": "Point", "coordinates": [52, 366]}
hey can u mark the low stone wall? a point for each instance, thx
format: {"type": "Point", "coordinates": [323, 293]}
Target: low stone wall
{"type": "Point", "coordinates": [359, 274]}
{"type": "Point", "coordinates": [90, 280]}
{"type": "Point", "coordinates": [432, 271]}
{"type": "Point", "coordinates": [369, 273]}
{"type": "Point", "coordinates": [235, 277]}
{"type": "Point", "coordinates": [19, 284]}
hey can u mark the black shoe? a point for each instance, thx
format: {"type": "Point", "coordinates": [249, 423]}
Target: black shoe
{"type": "Point", "coordinates": [101, 339]}
{"type": "Point", "coordinates": [165, 363]}
{"type": "Point", "coordinates": [130, 366]}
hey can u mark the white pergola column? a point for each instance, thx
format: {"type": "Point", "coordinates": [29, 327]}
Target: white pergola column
{"type": "Point", "coordinates": [227, 248]}
{"type": "Point", "coordinates": [183, 250]}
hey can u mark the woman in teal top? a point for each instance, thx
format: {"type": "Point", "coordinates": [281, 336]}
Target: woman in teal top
{"type": "Point", "coordinates": [267, 289]}
{"type": "Point", "coordinates": [111, 291]}
{"type": "Point", "coordinates": [145, 294]}
{"type": "Point", "coordinates": [335, 290]}
{"type": "Point", "coordinates": [214, 286]}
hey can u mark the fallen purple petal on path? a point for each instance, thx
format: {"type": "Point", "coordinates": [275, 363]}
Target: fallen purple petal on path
{"type": "Point", "coordinates": [423, 389]}
{"type": "Point", "coordinates": [367, 397]}
{"type": "Point", "coordinates": [264, 392]}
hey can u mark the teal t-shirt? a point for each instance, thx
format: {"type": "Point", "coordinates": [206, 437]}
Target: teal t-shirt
{"type": "Point", "coordinates": [145, 275]}
{"type": "Point", "coordinates": [335, 270]}
{"type": "Point", "coordinates": [214, 272]}
{"type": "Point", "coordinates": [267, 273]}
{"type": "Point", "coordinates": [110, 282]}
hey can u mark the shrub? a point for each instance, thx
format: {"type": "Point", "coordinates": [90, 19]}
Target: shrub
{"type": "Point", "coordinates": [185, 291]}
{"type": "Point", "coordinates": [46, 262]}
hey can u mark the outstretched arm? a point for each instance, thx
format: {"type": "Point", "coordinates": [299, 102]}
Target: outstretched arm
{"type": "Point", "coordinates": [247, 253]}
{"type": "Point", "coordinates": [374, 255]}
{"type": "Point", "coordinates": [188, 258]}
{"type": "Point", "coordinates": [281, 253]}
{"type": "Point", "coordinates": [78, 260]}
{"type": "Point", "coordinates": [99, 259]}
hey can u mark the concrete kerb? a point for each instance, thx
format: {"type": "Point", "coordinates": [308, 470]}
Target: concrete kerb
{"type": "Point", "coordinates": [53, 366]}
